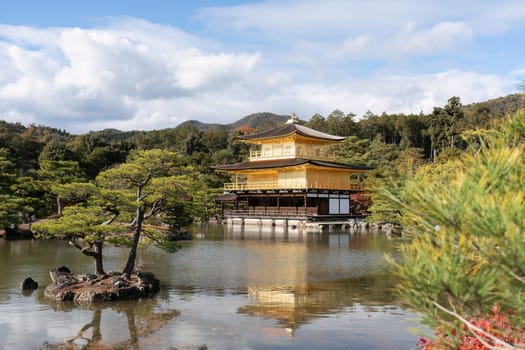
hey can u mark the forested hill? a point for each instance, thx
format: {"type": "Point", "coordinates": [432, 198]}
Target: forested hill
{"type": "Point", "coordinates": [256, 121]}
{"type": "Point", "coordinates": [499, 106]}
{"type": "Point", "coordinates": [260, 121]}
{"type": "Point", "coordinates": [209, 144]}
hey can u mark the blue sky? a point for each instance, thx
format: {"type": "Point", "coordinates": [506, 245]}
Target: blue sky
{"type": "Point", "coordinates": [153, 64]}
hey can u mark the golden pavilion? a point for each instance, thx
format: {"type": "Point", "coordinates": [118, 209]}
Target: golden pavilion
{"type": "Point", "coordinates": [291, 173]}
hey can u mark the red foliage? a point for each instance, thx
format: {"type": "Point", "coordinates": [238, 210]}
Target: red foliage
{"type": "Point", "coordinates": [496, 324]}
{"type": "Point", "coordinates": [360, 202]}
{"type": "Point", "coordinates": [245, 129]}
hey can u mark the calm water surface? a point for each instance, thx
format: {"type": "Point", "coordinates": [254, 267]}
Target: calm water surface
{"type": "Point", "coordinates": [230, 288]}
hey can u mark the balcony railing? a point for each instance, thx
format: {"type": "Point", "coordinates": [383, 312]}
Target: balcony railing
{"type": "Point", "coordinates": [274, 213]}
{"type": "Point", "coordinates": [308, 154]}
{"type": "Point", "coordinates": [289, 185]}
{"type": "Point", "coordinates": [292, 212]}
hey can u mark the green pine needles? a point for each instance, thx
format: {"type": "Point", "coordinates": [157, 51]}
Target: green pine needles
{"type": "Point", "coordinates": [466, 219]}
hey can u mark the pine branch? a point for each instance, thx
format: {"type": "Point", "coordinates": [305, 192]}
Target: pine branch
{"type": "Point", "coordinates": [83, 250]}
{"type": "Point", "coordinates": [111, 219]}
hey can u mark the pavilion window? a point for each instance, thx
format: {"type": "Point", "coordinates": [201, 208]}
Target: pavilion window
{"type": "Point", "coordinates": [311, 202]}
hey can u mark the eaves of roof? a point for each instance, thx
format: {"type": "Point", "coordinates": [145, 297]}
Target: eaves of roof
{"type": "Point", "coordinates": [281, 163]}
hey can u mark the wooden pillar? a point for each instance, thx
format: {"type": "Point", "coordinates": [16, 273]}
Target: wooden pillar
{"type": "Point", "coordinates": [305, 205]}
{"type": "Point", "coordinates": [317, 202]}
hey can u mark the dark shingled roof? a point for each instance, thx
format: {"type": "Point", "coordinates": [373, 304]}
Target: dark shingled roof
{"type": "Point", "coordinates": [280, 163]}
{"type": "Point", "coordinates": [290, 128]}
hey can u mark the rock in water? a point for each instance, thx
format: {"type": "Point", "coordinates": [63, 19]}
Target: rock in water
{"type": "Point", "coordinates": [29, 284]}
{"type": "Point", "coordinates": [59, 273]}
{"type": "Point", "coordinates": [148, 281]}
{"type": "Point", "coordinates": [180, 235]}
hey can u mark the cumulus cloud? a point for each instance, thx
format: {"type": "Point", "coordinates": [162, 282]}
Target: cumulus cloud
{"type": "Point", "coordinates": [279, 56]}
{"type": "Point", "coordinates": [409, 40]}
{"type": "Point", "coordinates": [128, 71]}
{"type": "Point", "coordinates": [196, 70]}
{"type": "Point", "coordinates": [438, 38]}
{"type": "Point", "coordinates": [391, 94]}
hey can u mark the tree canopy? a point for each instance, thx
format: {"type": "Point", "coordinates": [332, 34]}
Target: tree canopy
{"type": "Point", "coordinates": [120, 201]}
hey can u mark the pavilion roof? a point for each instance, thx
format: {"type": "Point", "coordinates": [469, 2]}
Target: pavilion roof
{"type": "Point", "coordinates": [289, 129]}
{"type": "Point", "coordinates": [281, 163]}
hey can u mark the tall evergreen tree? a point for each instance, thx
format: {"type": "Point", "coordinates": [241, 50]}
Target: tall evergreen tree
{"type": "Point", "coordinates": [10, 204]}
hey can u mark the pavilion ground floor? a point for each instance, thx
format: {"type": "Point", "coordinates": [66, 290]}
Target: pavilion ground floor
{"type": "Point", "coordinates": [307, 205]}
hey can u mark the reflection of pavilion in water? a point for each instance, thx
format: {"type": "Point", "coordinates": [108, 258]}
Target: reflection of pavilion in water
{"type": "Point", "coordinates": [294, 306]}
{"type": "Point", "coordinates": [363, 240]}
{"type": "Point", "coordinates": [267, 233]}
{"type": "Point", "coordinates": [289, 287]}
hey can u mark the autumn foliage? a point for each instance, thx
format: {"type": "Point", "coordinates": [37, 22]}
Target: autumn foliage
{"type": "Point", "coordinates": [484, 333]}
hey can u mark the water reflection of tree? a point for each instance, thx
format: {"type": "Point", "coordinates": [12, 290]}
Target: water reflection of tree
{"type": "Point", "coordinates": [142, 320]}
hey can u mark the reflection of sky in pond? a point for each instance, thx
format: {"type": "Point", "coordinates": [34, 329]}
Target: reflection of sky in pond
{"type": "Point", "coordinates": [228, 289]}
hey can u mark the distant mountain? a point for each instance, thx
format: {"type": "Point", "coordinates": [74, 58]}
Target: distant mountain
{"type": "Point", "coordinates": [201, 126]}
{"type": "Point", "coordinates": [260, 121]}
{"type": "Point", "coordinates": [110, 135]}
{"type": "Point", "coordinates": [498, 107]}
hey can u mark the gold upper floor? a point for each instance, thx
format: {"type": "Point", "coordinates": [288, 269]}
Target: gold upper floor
{"type": "Point", "coordinates": [291, 147]}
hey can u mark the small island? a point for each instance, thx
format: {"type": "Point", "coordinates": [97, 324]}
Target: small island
{"type": "Point", "coordinates": [87, 288]}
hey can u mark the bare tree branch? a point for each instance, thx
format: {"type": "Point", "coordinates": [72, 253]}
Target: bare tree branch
{"type": "Point", "coordinates": [473, 329]}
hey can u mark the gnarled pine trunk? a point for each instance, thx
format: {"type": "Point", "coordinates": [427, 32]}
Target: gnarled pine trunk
{"type": "Point", "coordinates": [99, 267]}
{"type": "Point", "coordinates": [130, 265]}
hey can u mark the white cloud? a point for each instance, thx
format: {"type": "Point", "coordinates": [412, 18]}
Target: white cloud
{"type": "Point", "coordinates": [196, 70]}
{"type": "Point", "coordinates": [497, 16]}
{"type": "Point", "coordinates": [24, 35]}
{"type": "Point", "coordinates": [391, 94]}
{"type": "Point", "coordinates": [409, 40]}
{"type": "Point", "coordinates": [313, 18]}
{"type": "Point", "coordinates": [372, 29]}
{"type": "Point", "coordinates": [131, 71]}
{"type": "Point", "coordinates": [440, 37]}
{"type": "Point", "coordinates": [306, 56]}
{"type": "Point", "coordinates": [520, 72]}
{"type": "Point", "coordinates": [349, 17]}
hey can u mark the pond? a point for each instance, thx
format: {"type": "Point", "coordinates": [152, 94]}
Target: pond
{"type": "Point", "coordinates": [230, 288]}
